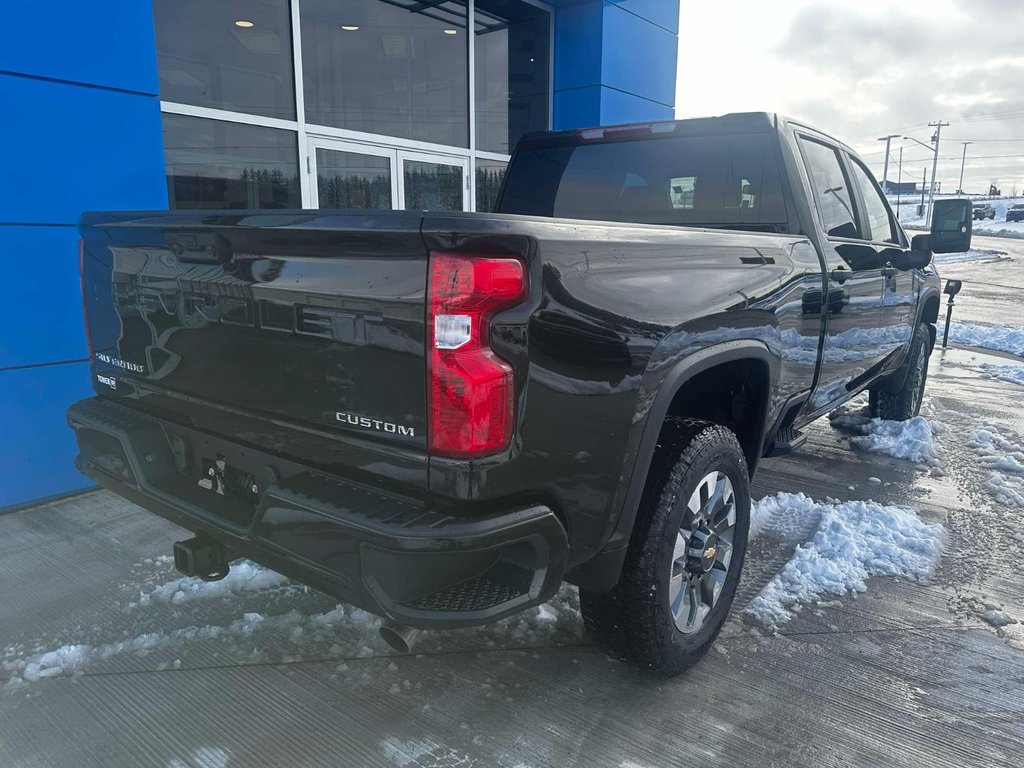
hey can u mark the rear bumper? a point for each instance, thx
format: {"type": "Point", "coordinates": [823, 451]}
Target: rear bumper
{"type": "Point", "coordinates": [390, 554]}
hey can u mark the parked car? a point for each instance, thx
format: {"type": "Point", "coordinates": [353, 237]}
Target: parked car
{"type": "Point", "coordinates": [1015, 212]}
{"type": "Point", "coordinates": [983, 211]}
{"type": "Point", "coordinates": [440, 417]}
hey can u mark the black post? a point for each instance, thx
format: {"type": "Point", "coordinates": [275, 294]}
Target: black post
{"type": "Point", "coordinates": [949, 316]}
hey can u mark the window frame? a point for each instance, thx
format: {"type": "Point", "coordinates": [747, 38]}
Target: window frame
{"type": "Point", "coordinates": [895, 229]}
{"type": "Point", "coordinates": [306, 133]}
{"type": "Point", "coordinates": [855, 201]}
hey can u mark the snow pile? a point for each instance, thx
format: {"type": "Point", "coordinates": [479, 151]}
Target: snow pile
{"type": "Point", "coordinates": [1011, 373]}
{"type": "Point", "coordinates": [998, 337]}
{"type": "Point", "coordinates": [854, 541]}
{"type": "Point", "coordinates": [244, 576]}
{"type": "Point", "coordinates": [997, 618]}
{"type": "Point", "coordinates": [1012, 229]}
{"type": "Point", "coordinates": [975, 254]}
{"type": "Point", "coordinates": [1005, 461]}
{"type": "Point", "coordinates": [913, 440]}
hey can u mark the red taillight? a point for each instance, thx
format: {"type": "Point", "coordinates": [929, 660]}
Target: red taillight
{"type": "Point", "coordinates": [471, 391]}
{"type": "Point", "coordinates": [85, 304]}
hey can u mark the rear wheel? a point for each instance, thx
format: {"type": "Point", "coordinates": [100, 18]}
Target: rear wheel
{"type": "Point", "coordinates": [685, 556]}
{"type": "Point", "coordinates": [905, 403]}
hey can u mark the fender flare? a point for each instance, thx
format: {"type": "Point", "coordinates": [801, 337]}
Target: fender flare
{"type": "Point", "coordinates": [602, 571]}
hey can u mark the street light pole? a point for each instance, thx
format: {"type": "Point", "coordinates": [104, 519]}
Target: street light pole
{"type": "Point", "coordinates": [885, 167]}
{"type": "Point", "coordinates": [963, 161]}
{"type": "Point", "coordinates": [938, 126]}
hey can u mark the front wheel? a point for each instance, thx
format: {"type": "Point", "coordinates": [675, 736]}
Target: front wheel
{"type": "Point", "coordinates": [905, 403]}
{"type": "Point", "coordinates": [685, 555]}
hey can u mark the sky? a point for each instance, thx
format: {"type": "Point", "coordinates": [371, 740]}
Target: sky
{"type": "Point", "coordinates": [861, 69]}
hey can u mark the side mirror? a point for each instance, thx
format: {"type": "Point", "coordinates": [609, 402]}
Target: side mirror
{"type": "Point", "coordinates": [918, 257]}
{"type": "Point", "coordinates": [952, 223]}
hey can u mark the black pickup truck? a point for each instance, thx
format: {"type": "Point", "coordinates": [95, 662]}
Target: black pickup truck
{"type": "Point", "coordinates": [440, 417]}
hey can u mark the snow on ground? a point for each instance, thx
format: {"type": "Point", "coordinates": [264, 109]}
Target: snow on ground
{"type": "Point", "coordinates": [913, 440]}
{"type": "Point", "coordinates": [998, 337]}
{"type": "Point", "coordinates": [1000, 228]}
{"type": "Point", "coordinates": [1004, 460]}
{"type": "Point", "coordinates": [853, 541]}
{"type": "Point", "coordinates": [243, 577]}
{"type": "Point", "coordinates": [340, 632]}
{"type": "Point", "coordinates": [983, 255]}
{"type": "Point", "coordinates": [1011, 373]}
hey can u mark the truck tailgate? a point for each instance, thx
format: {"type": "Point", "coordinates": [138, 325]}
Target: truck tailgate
{"type": "Point", "coordinates": [307, 319]}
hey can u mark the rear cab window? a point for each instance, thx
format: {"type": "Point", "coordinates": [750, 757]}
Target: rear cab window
{"type": "Point", "coordinates": [728, 181]}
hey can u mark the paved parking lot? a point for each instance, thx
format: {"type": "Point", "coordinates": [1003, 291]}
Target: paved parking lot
{"type": "Point", "coordinates": [272, 674]}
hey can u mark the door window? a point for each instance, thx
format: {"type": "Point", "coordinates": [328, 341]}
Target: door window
{"type": "Point", "coordinates": [876, 210]}
{"type": "Point", "coordinates": [831, 191]}
{"type": "Point", "coordinates": [430, 186]}
{"type": "Point", "coordinates": [352, 180]}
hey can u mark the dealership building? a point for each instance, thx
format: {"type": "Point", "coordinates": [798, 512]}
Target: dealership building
{"type": "Point", "coordinates": [241, 104]}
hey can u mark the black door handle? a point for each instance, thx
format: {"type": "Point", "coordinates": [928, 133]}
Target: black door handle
{"type": "Point", "coordinates": [840, 275]}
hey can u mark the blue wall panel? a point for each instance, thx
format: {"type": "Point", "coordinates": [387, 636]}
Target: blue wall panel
{"type": "Point", "coordinates": [651, 75]}
{"type": "Point", "coordinates": [664, 14]}
{"type": "Point", "coordinates": [578, 31]}
{"type": "Point", "coordinates": [44, 305]}
{"type": "Point", "coordinates": [108, 43]}
{"type": "Point", "coordinates": [619, 107]}
{"type": "Point", "coordinates": [39, 452]}
{"type": "Point", "coordinates": [615, 62]}
{"type": "Point", "coordinates": [77, 149]}
{"type": "Point", "coordinates": [577, 108]}
{"type": "Point", "coordinates": [80, 130]}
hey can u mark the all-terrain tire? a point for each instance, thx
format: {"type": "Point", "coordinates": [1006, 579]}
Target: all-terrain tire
{"type": "Point", "coordinates": [905, 403]}
{"type": "Point", "coordinates": [634, 620]}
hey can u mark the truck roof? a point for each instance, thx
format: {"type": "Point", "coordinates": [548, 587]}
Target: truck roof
{"type": "Point", "coordinates": [732, 122]}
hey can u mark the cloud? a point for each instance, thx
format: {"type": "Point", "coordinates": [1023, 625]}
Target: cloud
{"type": "Point", "coordinates": [860, 69]}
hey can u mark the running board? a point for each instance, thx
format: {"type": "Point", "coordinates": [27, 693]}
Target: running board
{"type": "Point", "coordinates": [786, 440]}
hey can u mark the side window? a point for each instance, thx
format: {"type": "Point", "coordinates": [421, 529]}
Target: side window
{"type": "Point", "coordinates": [830, 189]}
{"type": "Point", "coordinates": [876, 209]}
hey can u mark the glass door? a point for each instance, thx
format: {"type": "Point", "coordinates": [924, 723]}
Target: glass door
{"type": "Point", "coordinates": [433, 182]}
{"type": "Point", "coordinates": [349, 175]}
{"type": "Point", "coordinates": [367, 176]}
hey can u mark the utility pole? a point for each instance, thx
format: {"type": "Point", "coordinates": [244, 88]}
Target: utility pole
{"type": "Point", "coordinates": [899, 184]}
{"type": "Point", "coordinates": [885, 168]}
{"type": "Point", "coordinates": [924, 185]}
{"type": "Point", "coordinates": [938, 126]}
{"type": "Point", "coordinates": [963, 161]}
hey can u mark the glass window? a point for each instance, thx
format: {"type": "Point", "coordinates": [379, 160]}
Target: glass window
{"type": "Point", "coordinates": [396, 68]}
{"type": "Point", "coordinates": [714, 181]}
{"type": "Point", "coordinates": [877, 210]}
{"type": "Point", "coordinates": [512, 72]}
{"type": "Point", "coordinates": [214, 164]}
{"type": "Point", "coordinates": [352, 180]}
{"type": "Point", "coordinates": [233, 54]}
{"type": "Point", "coordinates": [433, 186]}
{"type": "Point", "coordinates": [831, 193]}
{"type": "Point", "coordinates": [489, 175]}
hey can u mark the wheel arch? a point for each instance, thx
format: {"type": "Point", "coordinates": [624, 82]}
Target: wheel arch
{"type": "Point", "coordinates": [735, 357]}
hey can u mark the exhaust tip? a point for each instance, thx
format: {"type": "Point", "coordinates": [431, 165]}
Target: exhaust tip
{"type": "Point", "coordinates": [399, 636]}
